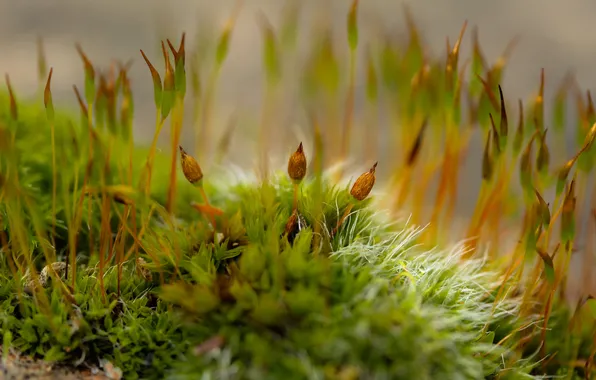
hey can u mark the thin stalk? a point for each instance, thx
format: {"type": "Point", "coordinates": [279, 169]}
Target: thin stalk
{"type": "Point", "coordinates": [494, 223]}
{"type": "Point", "coordinates": [588, 259]}
{"type": "Point", "coordinates": [295, 207]}
{"type": "Point", "coordinates": [19, 228]}
{"type": "Point", "coordinates": [516, 261]}
{"type": "Point", "coordinates": [401, 181]}
{"type": "Point", "coordinates": [548, 307]}
{"type": "Point", "coordinates": [525, 308]}
{"type": "Point", "coordinates": [452, 190]}
{"type": "Point", "coordinates": [120, 250]}
{"type": "Point", "coordinates": [590, 361]}
{"type": "Point", "coordinates": [220, 56]}
{"type": "Point", "coordinates": [105, 235]}
{"type": "Point", "coordinates": [441, 196]}
{"type": "Point", "coordinates": [348, 112]}
{"type": "Point", "coordinates": [371, 144]}
{"type": "Point", "coordinates": [547, 311]}
{"type": "Point", "coordinates": [545, 235]}
{"type": "Point", "coordinates": [206, 200]}
{"type": "Point", "coordinates": [176, 126]}
{"type": "Point", "coordinates": [451, 187]}
{"type": "Point", "coordinates": [54, 179]}
{"type": "Point", "coordinates": [419, 195]}
{"type": "Point", "coordinates": [197, 101]}
{"type": "Point", "coordinates": [402, 176]}
{"type": "Point", "coordinates": [4, 247]}
{"type": "Point", "coordinates": [78, 210]}
{"type": "Point", "coordinates": [134, 206]}
{"type": "Point", "coordinates": [332, 130]}
{"type": "Point", "coordinates": [265, 130]}
{"type": "Point", "coordinates": [139, 243]}
{"type": "Point", "coordinates": [202, 150]}
{"type": "Point", "coordinates": [318, 162]}
{"type": "Point", "coordinates": [104, 238]}
{"type": "Point", "coordinates": [342, 219]}
{"type": "Point", "coordinates": [490, 195]}
{"type": "Point", "coordinates": [137, 237]}
{"type": "Point", "coordinates": [159, 121]}
{"type": "Point", "coordinates": [68, 206]}
{"type": "Point", "coordinates": [565, 269]}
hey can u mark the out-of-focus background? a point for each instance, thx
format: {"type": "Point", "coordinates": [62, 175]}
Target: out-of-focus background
{"type": "Point", "coordinates": [555, 35]}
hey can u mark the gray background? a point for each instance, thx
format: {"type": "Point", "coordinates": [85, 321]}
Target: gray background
{"type": "Point", "coordinates": [556, 35]}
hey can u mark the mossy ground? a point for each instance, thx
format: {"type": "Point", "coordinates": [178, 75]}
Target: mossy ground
{"type": "Point", "coordinates": [369, 302]}
{"type": "Point", "coordinates": [109, 254]}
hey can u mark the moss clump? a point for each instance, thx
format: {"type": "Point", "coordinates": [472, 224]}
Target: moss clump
{"type": "Point", "coordinates": [376, 306]}
{"type": "Point", "coordinates": [366, 302]}
{"type": "Point", "coordinates": [121, 258]}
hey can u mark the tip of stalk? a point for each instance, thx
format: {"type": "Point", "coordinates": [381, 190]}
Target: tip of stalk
{"type": "Point", "coordinates": [300, 148]}
{"type": "Point", "coordinates": [374, 167]}
{"type": "Point", "coordinates": [47, 90]}
{"type": "Point", "coordinates": [263, 20]}
{"type": "Point", "coordinates": [13, 102]}
{"type": "Point", "coordinates": [88, 65]}
{"type": "Point", "coordinates": [541, 94]}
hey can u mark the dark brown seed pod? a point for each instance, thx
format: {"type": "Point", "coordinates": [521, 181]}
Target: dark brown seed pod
{"type": "Point", "coordinates": [292, 223]}
{"type": "Point", "coordinates": [190, 167]}
{"type": "Point", "coordinates": [487, 163]}
{"type": "Point", "coordinates": [123, 200]}
{"type": "Point", "coordinates": [297, 164]}
{"type": "Point", "coordinates": [295, 224]}
{"type": "Point", "coordinates": [417, 146]}
{"type": "Point", "coordinates": [364, 184]}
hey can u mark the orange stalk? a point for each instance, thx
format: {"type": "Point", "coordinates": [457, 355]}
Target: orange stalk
{"type": "Point", "coordinates": [149, 164]}
{"type": "Point", "coordinates": [177, 118]}
{"type": "Point", "coordinates": [348, 112]}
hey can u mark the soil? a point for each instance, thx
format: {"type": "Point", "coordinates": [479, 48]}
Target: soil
{"type": "Point", "coordinates": [17, 367]}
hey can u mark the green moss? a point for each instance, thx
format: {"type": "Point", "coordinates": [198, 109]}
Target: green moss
{"type": "Point", "coordinates": [378, 304]}
{"type": "Point", "coordinates": [368, 302]}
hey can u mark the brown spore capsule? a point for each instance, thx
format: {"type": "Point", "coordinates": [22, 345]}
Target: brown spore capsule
{"type": "Point", "coordinates": [190, 167]}
{"type": "Point", "coordinates": [364, 184]}
{"type": "Point", "coordinates": [297, 164]}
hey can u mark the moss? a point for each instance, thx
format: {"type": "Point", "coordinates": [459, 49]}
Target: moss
{"type": "Point", "coordinates": [367, 302]}
{"type": "Point", "coordinates": [238, 278]}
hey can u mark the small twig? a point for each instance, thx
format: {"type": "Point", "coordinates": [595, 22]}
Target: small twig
{"type": "Point", "coordinates": [295, 208]}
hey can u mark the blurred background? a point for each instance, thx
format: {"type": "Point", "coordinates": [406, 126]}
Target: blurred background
{"type": "Point", "coordinates": [554, 35]}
